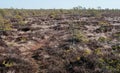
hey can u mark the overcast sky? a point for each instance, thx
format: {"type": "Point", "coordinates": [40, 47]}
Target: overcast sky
{"type": "Point", "coordinates": [65, 4]}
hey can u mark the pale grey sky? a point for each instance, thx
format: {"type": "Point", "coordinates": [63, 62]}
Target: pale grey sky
{"type": "Point", "coordinates": [66, 4]}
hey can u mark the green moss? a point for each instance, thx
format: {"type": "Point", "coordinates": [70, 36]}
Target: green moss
{"type": "Point", "coordinates": [109, 64]}
{"type": "Point", "coordinates": [103, 23]}
{"type": "Point", "coordinates": [81, 37]}
{"type": "Point", "coordinates": [113, 64]}
{"type": "Point", "coordinates": [117, 35]}
{"type": "Point", "coordinates": [19, 19]}
{"type": "Point", "coordinates": [87, 52]}
{"type": "Point", "coordinates": [8, 63]}
{"type": "Point", "coordinates": [116, 47]}
{"type": "Point", "coordinates": [102, 39]}
{"type": "Point", "coordinates": [98, 51]}
{"type": "Point", "coordinates": [5, 25]}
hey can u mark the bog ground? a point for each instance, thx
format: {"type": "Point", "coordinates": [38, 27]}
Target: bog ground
{"type": "Point", "coordinates": [59, 41]}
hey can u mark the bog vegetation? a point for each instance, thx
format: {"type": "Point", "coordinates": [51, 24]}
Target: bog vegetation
{"type": "Point", "coordinates": [77, 40]}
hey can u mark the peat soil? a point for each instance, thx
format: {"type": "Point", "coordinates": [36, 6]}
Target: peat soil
{"type": "Point", "coordinates": [61, 44]}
